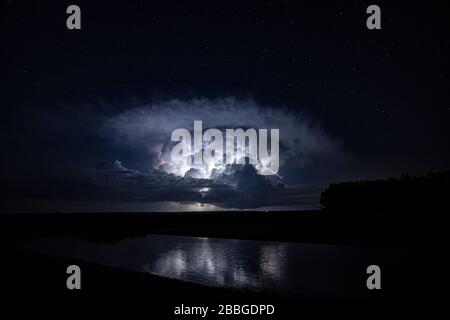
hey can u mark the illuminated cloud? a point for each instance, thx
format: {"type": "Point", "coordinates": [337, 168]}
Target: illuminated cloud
{"type": "Point", "coordinates": [149, 128]}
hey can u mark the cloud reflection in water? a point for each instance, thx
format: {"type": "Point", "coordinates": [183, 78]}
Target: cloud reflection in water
{"type": "Point", "coordinates": [307, 269]}
{"type": "Point", "coordinates": [219, 262]}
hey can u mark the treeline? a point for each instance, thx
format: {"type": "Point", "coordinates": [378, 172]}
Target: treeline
{"type": "Point", "coordinates": [407, 194]}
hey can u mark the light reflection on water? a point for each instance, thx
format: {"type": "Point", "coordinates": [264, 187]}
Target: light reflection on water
{"type": "Point", "coordinates": [262, 265]}
{"type": "Point", "coordinates": [219, 262]}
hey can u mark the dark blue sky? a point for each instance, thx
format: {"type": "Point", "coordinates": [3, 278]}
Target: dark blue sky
{"type": "Point", "coordinates": [382, 94]}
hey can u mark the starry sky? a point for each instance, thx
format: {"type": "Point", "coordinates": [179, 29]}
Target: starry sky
{"type": "Point", "coordinates": [379, 97]}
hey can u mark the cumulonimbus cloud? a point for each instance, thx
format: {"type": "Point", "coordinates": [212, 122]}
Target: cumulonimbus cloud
{"type": "Point", "coordinates": [149, 126]}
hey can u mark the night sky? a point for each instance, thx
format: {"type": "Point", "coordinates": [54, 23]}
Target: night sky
{"type": "Point", "coordinates": [378, 99]}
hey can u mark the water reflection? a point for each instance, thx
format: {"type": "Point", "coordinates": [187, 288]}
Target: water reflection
{"type": "Point", "coordinates": [215, 262]}
{"type": "Point", "coordinates": [289, 267]}
{"type": "Point", "coordinates": [272, 261]}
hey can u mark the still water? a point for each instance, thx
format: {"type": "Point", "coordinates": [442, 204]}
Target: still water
{"type": "Point", "coordinates": [304, 269]}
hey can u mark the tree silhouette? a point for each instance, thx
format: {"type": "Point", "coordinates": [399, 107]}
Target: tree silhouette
{"type": "Point", "coordinates": [407, 194]}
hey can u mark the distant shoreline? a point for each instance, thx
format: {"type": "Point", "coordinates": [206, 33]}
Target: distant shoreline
{"type": "Point", "coordinates": [293, 226]}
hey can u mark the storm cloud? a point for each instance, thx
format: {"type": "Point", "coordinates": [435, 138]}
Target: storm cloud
{"type": "Point", "coordinates": [148, 128]}
{"type": "Point", "coordinates": [85, 163]}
